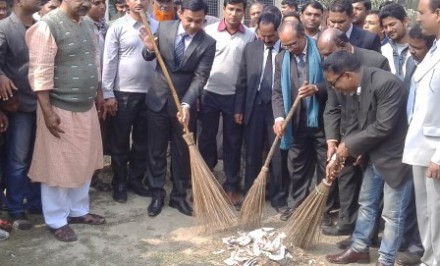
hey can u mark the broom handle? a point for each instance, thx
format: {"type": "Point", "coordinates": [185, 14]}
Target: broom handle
{"type": "Point", "coordinates": [162, 66]}
{"type": "Point", "coordinates": [277, 139]}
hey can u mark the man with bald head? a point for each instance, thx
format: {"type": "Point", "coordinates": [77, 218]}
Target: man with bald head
{"type": "Point", "coordinates": [298, 73]}
{"type": "Point", "coordinates": [335, 123]}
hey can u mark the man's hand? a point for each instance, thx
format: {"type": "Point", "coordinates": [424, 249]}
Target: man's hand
{"type": "Point", "coordinates": [433, 170]}
{"type": "Point", "coordinates": [100, 105]}
{"type": "Point", "coordinates": [111, 106]}
{"type": "Point", "coordinates": [331, 148]}
{"type": "Point", "coordinates": [6, 87]}
{"type": "Point", "coordinates": [146, 39]}
{"type": "Point", "coordinates": [278, 128]}
{"type": "Point", "coordinates": [307, 90]}
{"type": "Point", "coordinates": [53, 122]}
{"type": "Point", "coordinates": [238, 118]}
{"type": "Point", "coordinates": [342, 150]}
{"type": "Point", "coordinates": [4, 122]}
{"type": "Point", "coordinates": [184, 116]}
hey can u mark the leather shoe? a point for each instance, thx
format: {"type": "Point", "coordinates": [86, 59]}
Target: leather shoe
{"type": "Point", "coordinates": [286, 214]}
{"type": "Point", "coordinates": [281, 210]}
{"type": "Point", "coordinates": [155, 206]}
{"type": "Point", "coordinates": [349, 256]}
{"type": "Point", "coordinates": [327, 220]}
{"type": "Point", "coordinates": [120, 192]}
{"type": "Point", "coordinates": [344, 244]}
{"type": "Point", "coordinates": [337, 230]}
{"type": "Point", "coordinates": [234, 199]}
{"type": "Point", "coordinates": [137, 187]}
{"type": "Point", "coordinates": [407, 259]}
{"type": "Point", "coordinates": [182, 206]}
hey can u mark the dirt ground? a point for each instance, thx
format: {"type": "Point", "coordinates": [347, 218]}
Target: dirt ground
{"type": "Point", "coordinates": [130, 237]}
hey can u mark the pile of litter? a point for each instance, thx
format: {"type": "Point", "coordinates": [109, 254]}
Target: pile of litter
{"type": "Point", "coordinates": [257, 247]}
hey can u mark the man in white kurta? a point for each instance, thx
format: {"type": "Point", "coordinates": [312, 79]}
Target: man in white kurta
{"type": "Point", "coordinates": [68, 149]}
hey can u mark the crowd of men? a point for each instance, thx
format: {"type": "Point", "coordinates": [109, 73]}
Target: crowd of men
{"type": "Point", "coordinates": [74, 87]}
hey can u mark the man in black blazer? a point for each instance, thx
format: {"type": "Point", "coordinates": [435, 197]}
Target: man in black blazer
{"type": "Point", "coordinates": [253, 106]}
{"type": "Point", "coordinates": [188, 53]}
{"type": "Point", "coordinates": [340, 16]}
{"type": "Point", "coordinates": [307, 150]}
{"type": "Point", "coordinates": [335, 120]}
{"type": "Point", "coordinates": [376, 130]}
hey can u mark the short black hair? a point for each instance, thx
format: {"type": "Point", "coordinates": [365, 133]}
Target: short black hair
{"type": "Point", "coordinates": [120, 2]}
{"type": "Point", "coordinates": [297, 27]}
{"type": "Point", "coordinates": [434, 4]}
{"type": "Point", "coordinates": [341, 61]}
{"type": "Point", "coordinates": [269, 18]}
{"type": "Point", "coordinates": [385, 4]}
{"type": "Point", "coordinates": [366, 3]}
{"type": "Point", "coordinates": [373, 12]}
{"type": "Point", "coordinates": [291, 3]}
{"type": "Point", "coordinates": [393, 10]}
{"type": "Point", "coordinates": [314, 4]}
{"type": "Point", "coordinates": [416, 33]}
{"type": "Point", "coordinates": [291, 14]}
{"type": "Point", "coordinates": [342, 6]}
{"type": "Point", "coordinates": [235, 2]}
{"type": "Point", "coordinates": [194, 5]}
{"type": "Point", "coordinates": [273, 9]}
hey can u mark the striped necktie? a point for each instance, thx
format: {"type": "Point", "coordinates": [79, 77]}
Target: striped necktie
{"type": "Point", "coordinates": [180, 49]}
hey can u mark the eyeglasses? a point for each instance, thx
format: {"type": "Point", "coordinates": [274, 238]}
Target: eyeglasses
{"type": "Point", "coordinates": [333, 83]}
{"type": "Point", "coordinates": [289, 46]}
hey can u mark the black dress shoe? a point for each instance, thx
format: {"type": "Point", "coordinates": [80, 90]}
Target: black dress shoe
{"type": "Point", "coordinates": [120, 193]}
{"type": "Point", "coordinates": [407, 259]}
{"type": "Point", "coordinates": [337, 230]}
{"type": "Point", "coordinates": [281, 210]}
{"type": "Point", "coordinates": [344, 244]}
{"type": "Point", "coordinates": [137, 187]}
{"type": "Point", "coordinates": [286, 215]}
{"type": "Point", "coordinates": [182, 206]}
{"type": "Point", "coordinates": [349, 256]}
{"type": "Point", "coordinates": [155, 206]}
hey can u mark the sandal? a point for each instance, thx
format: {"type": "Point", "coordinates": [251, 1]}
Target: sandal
{"type": "Point", "coordinates": [64, 234]}
{"type": "Point", "coordinates": [5, 225]}
{"type": "Point", "coordinates": [89, 218]}
{"type": "Point", "coordinates": [100, 185]}
{"type": "Point", "coordinates": [3, 235]}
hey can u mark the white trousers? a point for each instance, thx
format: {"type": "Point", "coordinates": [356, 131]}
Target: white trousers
{"type": "Point", "coordinates": [60, 203]}
{"type": "Point", "coordinates": [427, 191]}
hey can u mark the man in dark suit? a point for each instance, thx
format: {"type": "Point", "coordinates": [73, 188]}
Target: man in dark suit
{"type": "Point", "coordinates": [376, 130]}
{"type": "Point", "coordinates": [335, 122]}
{"type": "Point", "coordinates": [188, 54]}
{"type": "Point", "coordinates": [298, 73]}
{"type": "Point", "coordinates": [253, 105]}
{"type": "Point", "coordinates": [14, 84]}
{"type": "Point", "coordinates": [340, 17]}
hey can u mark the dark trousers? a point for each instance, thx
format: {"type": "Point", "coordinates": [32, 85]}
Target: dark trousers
{"type": "Point", "coordinates": [212, 105]}
{"type": "Point", "coordinates": [258, 134]}
{"type": "Point", "coordinates": [131, 117]}
{"type": "Point", "coordinates": [164, 127]}
{"type": "Point", "coordinates": [307, 154]}
{"type": "Point", "coordinates": [349, 183]}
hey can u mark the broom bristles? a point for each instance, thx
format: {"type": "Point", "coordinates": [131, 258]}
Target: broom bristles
{"type": "Point", "coordinates": [303, 229]}
{"type": "Point", "coordinates": [253, 205]}
{"type": "Point", "coordinates": [211, 209]}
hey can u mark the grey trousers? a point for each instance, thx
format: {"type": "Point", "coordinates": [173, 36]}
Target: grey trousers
{"type": "Point", "coordinates": [427, 191]}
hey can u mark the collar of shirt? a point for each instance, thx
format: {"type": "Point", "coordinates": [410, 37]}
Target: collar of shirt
{"type": "Point", "coordinates": [396, 46]}
{"type": "Point", "coordinates": [303, 52]}
{"type": "Point", "coordinates": [181, 31]}
{"type": "Point", "coordinates": [276, 46]}
{"type": "Point", "coordinates": [222, 27]}
{"type": "Point", "coordinates": [348, 32]}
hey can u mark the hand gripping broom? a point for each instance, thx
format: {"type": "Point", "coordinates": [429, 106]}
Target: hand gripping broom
{"type": "Point", "coordinates": [211, 209]}
{"type": "Point", "coordinates": [253, 204]}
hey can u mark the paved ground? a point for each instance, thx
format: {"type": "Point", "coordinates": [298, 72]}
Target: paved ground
{"type": "Point", "coordinates": [130, 237]}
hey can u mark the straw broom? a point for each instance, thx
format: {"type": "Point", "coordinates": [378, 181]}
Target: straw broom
{"type": "Point", "coordinates": [303, 229]}
{"type": "Point", "coordinates": [253, 204]}
{"type": "Point", "coordinates": [211, 209]}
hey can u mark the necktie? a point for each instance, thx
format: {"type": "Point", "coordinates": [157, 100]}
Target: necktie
{"type": "Point", "coordinates": [180, 50]}
{"type": "Point", "coordinates": [266, 82]}
{"type": "Point", "coordinates": [302, 68]}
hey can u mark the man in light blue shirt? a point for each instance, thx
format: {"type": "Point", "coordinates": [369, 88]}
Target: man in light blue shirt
{"type": "Point", "coordinates": [126, 78]}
